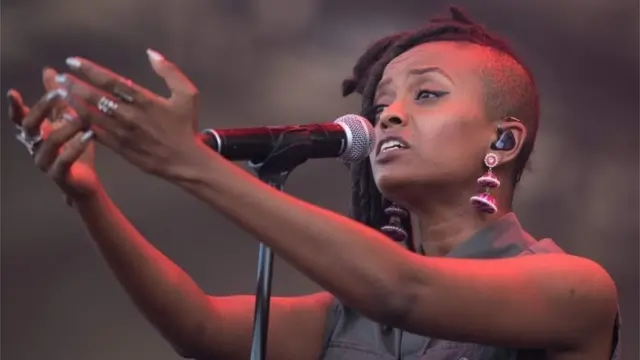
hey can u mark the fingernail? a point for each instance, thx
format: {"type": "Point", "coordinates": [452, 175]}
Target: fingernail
{"type": "Point", "coordinates": [68, 117]}
{"type": "Point", "coordinates": [154, 55]}
{"type": "Point", "coordinates": [86, 136]}
{"type": "Point", "coordinates": [73, 62]}
{"type": "Point", "coordinates": [62, 93]}
{"type": "Point", "coordinates": [61, 78]}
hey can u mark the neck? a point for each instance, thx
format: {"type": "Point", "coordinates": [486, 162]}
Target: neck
{"type": "Point", "coordinates": [440, 226]}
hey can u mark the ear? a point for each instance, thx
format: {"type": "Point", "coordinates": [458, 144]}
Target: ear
{"type": "Point", "coordinates": [510, 136]}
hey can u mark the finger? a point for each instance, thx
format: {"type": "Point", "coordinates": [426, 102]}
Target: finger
{"type": "Point", "coordinates": [110, 82]}
{"type": "Point", "coordinates": [17, 109]}
{"type": "Point", "coordinates": [37, 114]}
{"type": "Point", "coordinates": [60, 134]}
{"type": "Point", "coordinates": [86, 100]}
{"type": "Point", "coordinates": [104, 130]}
{"type": "Point", "coordinates": [59, 170]}
{"type": "Point", "coordinates": [105, 138]}
{"type": "Point", "coordinates": [50, 84]}
{"type": "Point", "coordinates": [45, 128]}
{"type": "Point", "coordinates": [182, 89]}
{"type": "Point", "coordinates": [49, 79]}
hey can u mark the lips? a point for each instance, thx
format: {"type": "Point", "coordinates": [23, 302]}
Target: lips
{"type": "Point", "coordinates": [391, 143]}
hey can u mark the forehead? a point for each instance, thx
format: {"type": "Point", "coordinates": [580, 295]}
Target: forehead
{"type": "Point", "coordinates": [459, 60]}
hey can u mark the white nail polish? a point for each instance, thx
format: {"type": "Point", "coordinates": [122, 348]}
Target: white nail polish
{"type": "Point", "coordinates": [73, 62]}
{"type": "Point", "coordinates": [86, 136]}
{"type": "Point", "coordinates": [61, 93]}
{"type": "Point", "coordinates": [68, 117]}
{"type": "Point", "coordinates": [154, 55]}
{"type": "Point", "coordinates": [61, 78]}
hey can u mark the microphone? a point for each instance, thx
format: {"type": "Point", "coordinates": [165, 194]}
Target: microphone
{"type": "Point", "coordinates": [350, 138]}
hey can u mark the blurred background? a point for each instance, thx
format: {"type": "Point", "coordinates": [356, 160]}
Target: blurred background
{"type": "Point", "coordinates": [274, 62]}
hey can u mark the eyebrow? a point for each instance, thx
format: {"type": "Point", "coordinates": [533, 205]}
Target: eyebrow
{"type": "Point", "coordinates": [416, 72]}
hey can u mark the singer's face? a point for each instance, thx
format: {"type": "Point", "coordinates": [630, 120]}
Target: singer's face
{"type": "Point", "coordinates": [431, 97]}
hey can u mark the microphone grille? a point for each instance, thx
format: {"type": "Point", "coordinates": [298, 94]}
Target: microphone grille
{"type": "Point", "coordinates": [360, 138]}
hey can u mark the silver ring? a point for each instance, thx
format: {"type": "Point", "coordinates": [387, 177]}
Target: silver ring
{"type": "Point", "coordinates": [107, 106]}
{"type": "Point", "coordinates": [30, 142]}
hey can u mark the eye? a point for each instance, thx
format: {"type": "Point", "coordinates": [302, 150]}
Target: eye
{"type": "Point", "coordinates": [429, 94]}
{"type": "Point", "coordinates": [377, 111]}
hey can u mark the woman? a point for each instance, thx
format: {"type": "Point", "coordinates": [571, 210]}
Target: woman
{"type": "Point", "coordinates": [455, 115]}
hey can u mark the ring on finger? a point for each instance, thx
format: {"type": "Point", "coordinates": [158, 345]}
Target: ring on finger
{"type": "Point", "coordinates": [30, 142]}
{"type": "Point", "coordinates": [107, 106]}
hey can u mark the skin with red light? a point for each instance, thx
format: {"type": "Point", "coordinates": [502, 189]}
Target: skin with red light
{"type": "Point", "coordinates": [561, 303]}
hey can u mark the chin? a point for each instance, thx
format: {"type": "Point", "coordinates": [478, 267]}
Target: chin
{"type": "Point", "coordinates": [396, 186]}
{"type": "Point", "coordinates": [404, 185]}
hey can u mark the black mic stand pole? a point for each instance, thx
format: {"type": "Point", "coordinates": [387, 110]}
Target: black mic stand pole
{"type": "Point", "coordinates": [290, 150]}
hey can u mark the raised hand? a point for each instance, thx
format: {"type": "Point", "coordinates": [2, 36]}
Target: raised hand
{"type": "Point", "coordinates": [154, 133]}
{"type": "Point", "coordinates": [60, 147]}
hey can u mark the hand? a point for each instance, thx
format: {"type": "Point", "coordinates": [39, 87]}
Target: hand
{"type": "Point", "coordinates": [156, 134]}
{"type": "Point", "coordinates": [65, 153]}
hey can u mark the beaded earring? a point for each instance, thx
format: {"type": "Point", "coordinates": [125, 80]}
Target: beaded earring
{"type": "Point", "coordinates": [484, 201]}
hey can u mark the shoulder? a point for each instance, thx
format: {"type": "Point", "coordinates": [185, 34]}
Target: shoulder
{"type": "Point", "coordinates": [580, 288]}
{"type": "Point", "coordinates": [576, 277]}
{"type": "Point", "coordinates": [584, 286]}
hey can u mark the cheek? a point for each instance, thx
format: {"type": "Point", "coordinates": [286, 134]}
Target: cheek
{"type": "Point", "coordinates": [452, 146]}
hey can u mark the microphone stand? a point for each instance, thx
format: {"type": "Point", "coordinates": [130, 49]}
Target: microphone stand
{"type": "Point", "coordinates": [290, 151]}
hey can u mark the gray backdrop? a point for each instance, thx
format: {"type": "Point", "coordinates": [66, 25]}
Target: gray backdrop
{"type": "Point", "coordinates": [267, 62]}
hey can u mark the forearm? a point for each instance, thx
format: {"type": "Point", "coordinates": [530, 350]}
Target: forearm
{"type": "Point", "coordinates": [166, 295]}
{"type": "Point", "coordinates": [358, 265]}
{"type": "Point", "coordinates": [446, 298]}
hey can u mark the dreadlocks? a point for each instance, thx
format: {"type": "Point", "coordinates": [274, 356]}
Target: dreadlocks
{"type": "Point", "coordinates": [509, 91]}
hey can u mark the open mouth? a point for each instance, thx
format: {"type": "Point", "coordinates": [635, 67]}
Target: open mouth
{"type": "Point", "coordinates": [391, 144]}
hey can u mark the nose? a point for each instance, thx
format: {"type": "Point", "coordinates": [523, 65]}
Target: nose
{"type": "Point", "coordinates": [393, 116]}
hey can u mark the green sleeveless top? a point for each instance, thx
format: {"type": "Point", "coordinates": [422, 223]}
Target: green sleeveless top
{"type": "Point", "coordinates": [350, 336]}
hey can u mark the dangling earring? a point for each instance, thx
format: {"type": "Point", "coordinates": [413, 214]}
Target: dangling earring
{"type": "Point", "coordinates": [484, 201]}
{"type": "Point", "coordinates": [394, 229]}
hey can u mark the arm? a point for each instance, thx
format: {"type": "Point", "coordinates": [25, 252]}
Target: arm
{"type": "Point", "coordinates": [197, 326]}
{"type": "Point", "coordinates": [553, 301]}
{"type": "Point", "coordinates": [357, 264]}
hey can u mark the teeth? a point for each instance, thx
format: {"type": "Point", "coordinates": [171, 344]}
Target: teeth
{"type": "Point", "coordinates": [391, 145]}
